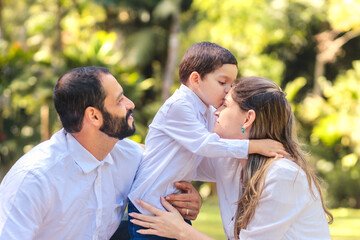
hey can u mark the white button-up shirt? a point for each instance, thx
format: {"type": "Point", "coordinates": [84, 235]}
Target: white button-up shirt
{"type": "Point", "coordinates": [59, 190]}
{"type": "Point", "coordinates": [178, 138]}
{"type": "Point", "coordinates": [286, 209]}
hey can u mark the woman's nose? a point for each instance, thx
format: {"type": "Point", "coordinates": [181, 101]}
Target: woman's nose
{"type": "Point", "coordinates": [218, 110]}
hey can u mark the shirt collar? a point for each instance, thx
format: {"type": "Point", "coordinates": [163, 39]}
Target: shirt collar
{"type": "Point", "coordinates": [83, 158]}
{"type": "Point", "coordinates": [194, 98]}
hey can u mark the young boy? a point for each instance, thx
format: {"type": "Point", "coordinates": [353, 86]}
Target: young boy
{"type": "Point", "coordinates": [179, 136]}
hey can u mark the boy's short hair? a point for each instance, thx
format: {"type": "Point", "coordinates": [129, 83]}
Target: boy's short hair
{"type": "Point", "coordinates": [204, 57]}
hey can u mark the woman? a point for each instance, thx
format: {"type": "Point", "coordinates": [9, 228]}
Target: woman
{"type": "Point", "coordinates": [281, 198]}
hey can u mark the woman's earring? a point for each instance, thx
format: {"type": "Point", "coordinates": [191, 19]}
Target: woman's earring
{"type": "Point", "coordinates": [242, 129]}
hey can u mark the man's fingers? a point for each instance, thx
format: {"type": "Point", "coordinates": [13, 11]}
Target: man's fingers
{"type": "Point", "coordinates": [188, 214]}
{"type": "Point", "coordinates": [185, 186]}
{"type": "Point", "coordinates": [182, 204]}
{"type": "Point", "coordinates": [178, 197]}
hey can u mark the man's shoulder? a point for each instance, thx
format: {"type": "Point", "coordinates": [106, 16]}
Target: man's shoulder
{"type": "Point", "coordinates": [38, 162]}
{"type": "Point", "coordinates": [43, 156]}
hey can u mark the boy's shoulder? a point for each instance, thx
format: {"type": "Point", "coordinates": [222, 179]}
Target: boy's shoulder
{"type": "Point", "coordinates": [178, 103]}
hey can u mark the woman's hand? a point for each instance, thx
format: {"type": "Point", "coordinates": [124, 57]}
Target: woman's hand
{"type": "Point", "coordinates": [166, 224]}
{"type": "Point", "coordinates": [187, 203]}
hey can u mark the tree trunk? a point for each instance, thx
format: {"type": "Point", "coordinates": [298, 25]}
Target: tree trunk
{"type": "Point", "coordinates": [1, 22]}
{"type": "Point", "coordinates": [172, 55]}
{"type": "Point", "coordinates": [44, 122]}
{"type": "Point", "coordinates": [328, 48]}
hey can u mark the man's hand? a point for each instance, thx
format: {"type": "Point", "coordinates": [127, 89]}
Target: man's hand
{"type": "Point", "coordinates": [187, 203]}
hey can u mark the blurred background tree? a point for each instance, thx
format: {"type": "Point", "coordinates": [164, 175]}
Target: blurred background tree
{"type": "Point", "coordinates": [310, 48]}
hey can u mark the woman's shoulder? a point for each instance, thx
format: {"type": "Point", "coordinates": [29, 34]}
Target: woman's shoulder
{"type": "Point", "coordinates": [285, 169]}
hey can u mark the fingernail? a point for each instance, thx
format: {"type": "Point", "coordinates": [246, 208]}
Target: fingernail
{"type": "Point", "coordinates": [167, 198]}
{"type": "Point", "coordinates": [131, 214]}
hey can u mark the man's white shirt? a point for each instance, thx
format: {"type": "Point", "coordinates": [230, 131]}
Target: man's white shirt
{"type": "Point", "coordinates": [286, 209]}
{"type": "Point", "coordinates": [179, 137]}
{"type": "Point", "coordinates": [59, 190]}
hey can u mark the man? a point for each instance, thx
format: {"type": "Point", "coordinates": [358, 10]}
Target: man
{"type": "Point", "coordinates": [75, 185]}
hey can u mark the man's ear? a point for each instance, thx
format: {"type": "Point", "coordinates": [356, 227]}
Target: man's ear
{"type": "Point", "coordinates": [250, 118]}
{"type": "Point", "coordinates": [194, 79]}
{"type": "Point", "coordinates": [93, 116]}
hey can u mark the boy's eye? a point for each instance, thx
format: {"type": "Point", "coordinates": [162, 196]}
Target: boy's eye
{"type": "Point", "coordinates": [222, 83]}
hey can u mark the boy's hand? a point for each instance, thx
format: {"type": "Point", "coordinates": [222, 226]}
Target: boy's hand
{"type": "Point", "coordinates": [187, 203]}
{"type": "Point", "coordinates": [267, 147]}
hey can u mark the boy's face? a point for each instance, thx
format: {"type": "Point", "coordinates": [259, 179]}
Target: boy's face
{"type": "Point", "coordinates": [215, 85]}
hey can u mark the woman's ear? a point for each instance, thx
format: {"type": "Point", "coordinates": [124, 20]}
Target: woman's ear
{"type": "Point", "coordinates": [93, 117]}
{"type": "Point", "coordinates": [194, 80]}
{"type": "Point", "coordinates": [250, 118]}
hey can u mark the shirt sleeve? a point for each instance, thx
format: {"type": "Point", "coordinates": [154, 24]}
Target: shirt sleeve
{"type": "Point", "coordinates": [206, 171]}
{"type": "Point", "coordinates": [182, 125]}
{"type": "Point", "coordinates": [22, 206]}
{"type": "Point", "coordinates": [281, 202]}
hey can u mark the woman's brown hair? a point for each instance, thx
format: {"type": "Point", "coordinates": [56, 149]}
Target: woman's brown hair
{"type": "Point", "coordinates": [274, 119]}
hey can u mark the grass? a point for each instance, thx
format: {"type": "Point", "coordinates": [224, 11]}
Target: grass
{"type": "Point", "coordinates": [345, 227]}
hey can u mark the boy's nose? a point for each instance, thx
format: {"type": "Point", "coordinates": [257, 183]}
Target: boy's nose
{"type": "Point", "coordinates": [227, 88]}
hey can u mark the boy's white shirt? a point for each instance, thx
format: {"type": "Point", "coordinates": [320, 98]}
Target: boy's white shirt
{"type": "Point", "coordinates": [179, 137]}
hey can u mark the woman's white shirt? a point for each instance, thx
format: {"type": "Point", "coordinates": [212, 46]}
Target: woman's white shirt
{"type": "Point", "coordinates": [286, 209]}
{"type": "Point", "coordinates": [226, 173]}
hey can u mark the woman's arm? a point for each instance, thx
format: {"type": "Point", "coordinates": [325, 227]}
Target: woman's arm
{"type": "Point", "coordinates": [165, 224]}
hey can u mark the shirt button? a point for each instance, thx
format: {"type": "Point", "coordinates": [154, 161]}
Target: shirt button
{"type": "Point", "coordinates": [97, 182]}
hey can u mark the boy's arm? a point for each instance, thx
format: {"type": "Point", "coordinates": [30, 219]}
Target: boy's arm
{"type": "Point", "coordinates": [181, 124]}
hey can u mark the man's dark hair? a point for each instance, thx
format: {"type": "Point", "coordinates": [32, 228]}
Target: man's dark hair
{"type": "Point", "coordinates": [75, 91]}
{"type": "Point", "coordinates": [204, 58]}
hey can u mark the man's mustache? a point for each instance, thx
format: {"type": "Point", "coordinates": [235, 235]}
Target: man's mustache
{"type": "Point", "coordinates": [128, 113]}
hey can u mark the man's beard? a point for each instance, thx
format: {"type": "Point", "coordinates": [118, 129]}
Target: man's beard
{"type": "Point", "coordinates": [117, 127]}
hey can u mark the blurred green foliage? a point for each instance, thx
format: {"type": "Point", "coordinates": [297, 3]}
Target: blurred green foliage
{"type": "Point", "coordinates": [302, 45]}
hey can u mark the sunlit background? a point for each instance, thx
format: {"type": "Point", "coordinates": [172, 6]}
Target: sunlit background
{"type": "Point", "coordinates": [311, 48]}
